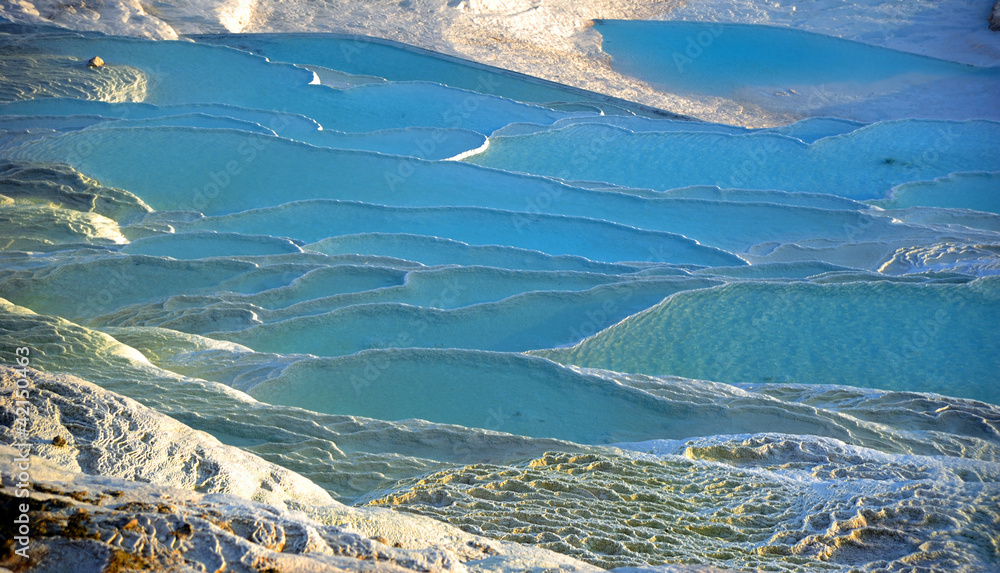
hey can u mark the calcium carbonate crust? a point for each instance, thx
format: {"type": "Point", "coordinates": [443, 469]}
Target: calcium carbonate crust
{"type": "Point", "coordinates": [192, 503]}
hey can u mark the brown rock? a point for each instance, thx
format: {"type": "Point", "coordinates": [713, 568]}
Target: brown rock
{"type": "Point", "coordinates": [96, 62]}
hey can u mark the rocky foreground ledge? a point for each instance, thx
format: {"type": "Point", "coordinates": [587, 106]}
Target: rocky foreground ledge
{"type": "Point", "coordinates": [117, 487]}
{"type": "Point", "coordinates": [87, 523]}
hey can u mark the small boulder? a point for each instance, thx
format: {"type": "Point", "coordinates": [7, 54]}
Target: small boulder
{"type": "Point", "coordinates": [96, 62]}
{"type": "Point", "coordinates": [995, 17]}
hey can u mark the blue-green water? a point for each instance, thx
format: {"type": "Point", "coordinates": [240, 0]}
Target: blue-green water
{"type": "Point", "coordinates": [631, 339]}
{"type": "Point", "coordinates": [718, 59]}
